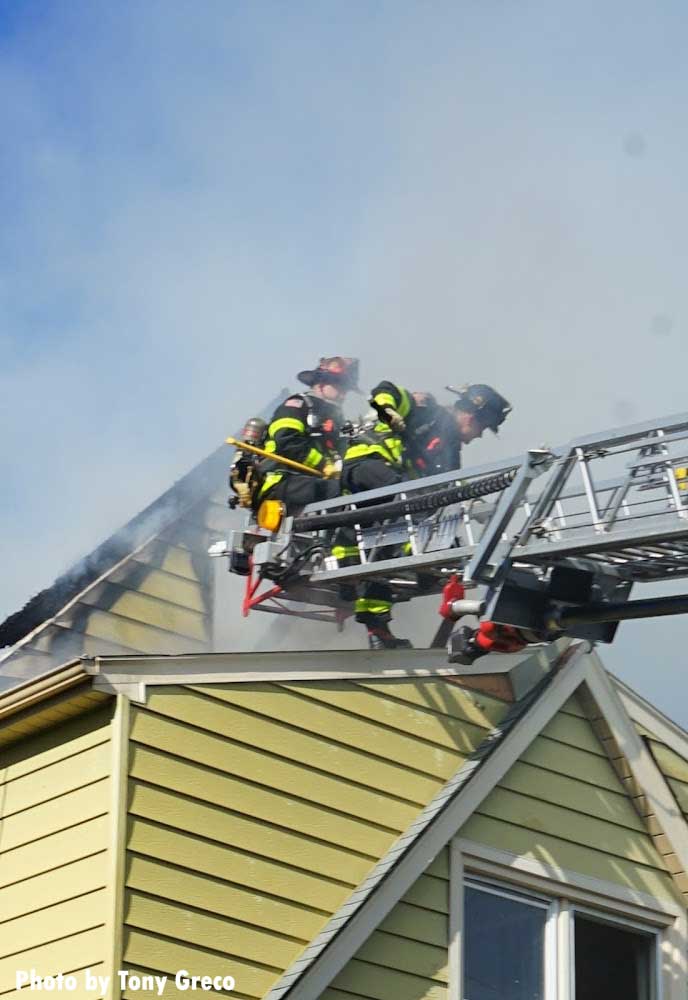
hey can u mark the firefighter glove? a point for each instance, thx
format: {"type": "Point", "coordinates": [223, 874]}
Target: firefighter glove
{"type": "Point", "coordinates": [331, 470]}
{"type": "Point", "coordinates": [243, 491]}
{"type": "Point", "coordinates": [394, 419]}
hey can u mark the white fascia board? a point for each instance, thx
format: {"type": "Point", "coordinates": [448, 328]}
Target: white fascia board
{"type": "Point", "coordinates": [133, 674]}
{"type": "Point", "coordinates": [641, 764]}
{"type": "Point", "coordinates": [308, 982]}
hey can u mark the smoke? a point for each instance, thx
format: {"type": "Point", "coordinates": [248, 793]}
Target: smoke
{"type": "Point", "coordinates": [197, 202]}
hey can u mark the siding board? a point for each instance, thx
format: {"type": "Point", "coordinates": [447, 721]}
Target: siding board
{"type": "Point", "coordinates": [251, 836]}
{"type": "Point", "coordinates": [415, 720]}
{"type": "Point", "coordinates": [257, 765]}
{"type": "Point", "coordinates": [71, 809]}
{"type": "Point", "coordinates": [162, 614]}
{"type": "Point", "coordinates": [562, 854]}
{"type": "Point", "coordinates": [127, 632]}
{"type": "Point", "coordinates": [271, 806]}
{"type": "Point", "coordinates": [378, 983]}
{"type": "Point", "coordinates": [54, 804]}
{"type": "Point", "coordinates": [56, 780]}
{"type": "Point", "coordinates": [223, 898]}
{"type": "Point", "coordinates": [404, 955]}
{"type": "Point", "coordinates": [75, 952]}
{"type": "Point", "coordinates": [194, 927]}
{"type": "Point", "coordinates": [306, 715]}
{"type": "Point", "coordinates": [444, 698]}
{"type": "Point", "coordinates": [48, 888]}
{"type": "Point", "coordinates": [63, 919]}
{"type": "Point", "coordinates": [313, 751]}
{"type": "Point", "coordinates": [153, 951]}
{"type": "Point", "coordinates": [53, 851]}
{"type": "Point", "coordinates": [564, 790]}
{"type": "Point", "coordinates": [186, 850]}
{"type": "Point", "coordinates": [562, 759]}
{"type": "Point", "coordinates": [531, 812]}
{"type": "Point", "coordinates": [256, 809]}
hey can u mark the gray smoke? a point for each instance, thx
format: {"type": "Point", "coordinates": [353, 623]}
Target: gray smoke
{"type": "Point", "coordinates": [199, 202]}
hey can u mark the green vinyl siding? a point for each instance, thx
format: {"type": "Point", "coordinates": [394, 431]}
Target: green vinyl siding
{"type": "Point", "coordinates": [157, 600]}
{"type": "Point", "coordinates": [563, 804]}
{"type": "Point", "coordinates": [406, 957]}
{"type": "Point", "coordinates": [675, 770]}
{"type": "Point", "coordinates": [256, 809]}
{"type": "Point", "coordinates": [54, 805]}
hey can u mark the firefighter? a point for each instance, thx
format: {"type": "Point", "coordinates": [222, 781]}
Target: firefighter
{"type": "Point", "coordinates": [243, 473]}
{"type": "Point", "coordinates": [432, 434]}
{"type": "Point", "coordinates": [415, 436]}
{"type": "Point", "coordinates": [306, 428]}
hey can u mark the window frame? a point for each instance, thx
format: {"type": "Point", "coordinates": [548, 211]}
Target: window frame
{"type": "Point", "coordinates": [565, 894]}
{"type": "Point", "coordinates": [625, 923]}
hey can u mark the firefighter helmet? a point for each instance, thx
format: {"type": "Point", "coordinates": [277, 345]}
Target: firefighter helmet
{"type": "Point", "coordinates": [338, 371]}
{"type": "Point", "coordinates": [486, 403]}
{"type": "Point", "coordinates": [254, 431]}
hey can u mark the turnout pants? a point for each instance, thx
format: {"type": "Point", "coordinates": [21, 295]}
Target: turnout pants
{"type": "Point", "coordinates": [296, 489]}
{"type": "Point", "coordinates": [367, 474]}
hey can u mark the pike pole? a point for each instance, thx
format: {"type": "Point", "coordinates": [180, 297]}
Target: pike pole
{"type": "Point", "coordinates": [274, 457]}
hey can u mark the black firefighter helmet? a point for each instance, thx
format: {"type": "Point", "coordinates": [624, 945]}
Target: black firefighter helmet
{"type": "Point", "coordinates": [338, 371]}
{"type": "Point", "coordinates": [489, 406]}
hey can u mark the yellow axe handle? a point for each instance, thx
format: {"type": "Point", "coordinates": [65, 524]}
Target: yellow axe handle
{"type": "Point", "coordinates": [274, 457]}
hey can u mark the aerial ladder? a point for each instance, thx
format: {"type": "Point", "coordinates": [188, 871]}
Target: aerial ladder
{"type": "Point", "coordinates": [548, 543]}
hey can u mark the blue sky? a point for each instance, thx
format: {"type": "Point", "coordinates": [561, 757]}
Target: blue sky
{"type": "Point", "coordinates": [200, 198]}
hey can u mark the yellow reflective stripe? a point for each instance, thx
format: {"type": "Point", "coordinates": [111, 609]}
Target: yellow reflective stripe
{"type": "Point", "coordinates": [313, 458]}
{"type": "Point", "coordinates": [385, 399]}
{"type": "Point", "coordinates": [404, 406]}
{"type": "Point", "coordinates": [390, 454]}
{"type": "Point", "coordinates": [361, 450]}
{"type": "Point", "coordinates": [345, 551]}
{"type": "Point", "coordinates": [270, 480]}
{"type": "Point", "coordinates": [271, 446]}
{"type": "Point", "coordinates": [286, 423]}
{"type": "Point", "coordinates": [373, 606]}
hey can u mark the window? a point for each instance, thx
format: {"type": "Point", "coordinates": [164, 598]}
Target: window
{"type": "Point", "coordinates": [519, 947]}
{"type": "Point", "coordinates": [611, 962]}
{"type": "Point", "coordinates": [504, 946]}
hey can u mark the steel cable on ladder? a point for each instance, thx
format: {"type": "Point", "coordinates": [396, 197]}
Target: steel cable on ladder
{"type": "Point", "coordinates": [425, 503]}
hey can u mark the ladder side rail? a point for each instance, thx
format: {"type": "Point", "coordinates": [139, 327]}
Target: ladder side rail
{"type": "Point", "coordinates": [423, 485]}
{"type": "Point", "coordinates": [619, 496]}
{"type": "Point", "coordinates": [552, 493]}
{"type": "Point", "coordinates": [507, 505]}
{"type": "Point", "coordinates": [672, 481]}
{"type": "Point", "coordinates": [450, 559]}
{"type": "Point", "coordinates": [622, 435]}
{"type": "Point", "coordinates": [586, 476]}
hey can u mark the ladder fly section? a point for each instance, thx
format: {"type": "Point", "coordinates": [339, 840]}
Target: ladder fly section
{"type": "Point", "coordinates": [612, 505]}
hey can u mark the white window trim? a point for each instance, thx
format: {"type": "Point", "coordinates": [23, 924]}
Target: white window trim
{"type": "Point", "coordinates": [616, 920]}
{"type": "Point", "coordinates": [569, 892]}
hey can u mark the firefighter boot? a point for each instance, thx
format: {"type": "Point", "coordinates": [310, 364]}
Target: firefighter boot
{"type": "Point", "coordinates": [379, 634]}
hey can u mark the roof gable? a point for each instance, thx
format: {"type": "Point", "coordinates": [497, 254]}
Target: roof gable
{"type": "Point", "coordinates": [409, 857]}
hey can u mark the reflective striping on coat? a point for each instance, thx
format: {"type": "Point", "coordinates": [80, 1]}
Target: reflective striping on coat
{"type": "Point", "coordinates": [286, 423]}
{"type": "Point", "coordinates": [372, 606]}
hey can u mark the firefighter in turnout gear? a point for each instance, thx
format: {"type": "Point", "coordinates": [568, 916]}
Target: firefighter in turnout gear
{"type": "Point", "coordinates": [415, 436]}
{"type": "Point", "coordinates": [243, 473]}
{"type": "Point", "coordinates": [306, 428]}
